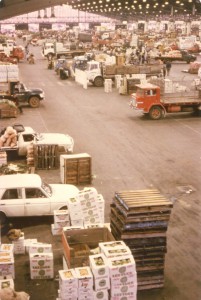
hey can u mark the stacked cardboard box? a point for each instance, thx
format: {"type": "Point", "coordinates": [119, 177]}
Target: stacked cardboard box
{"type": "Point", "coordinates": [41, 261]}
{"type": "Point", "coordinates": [85, 283]}
{"type": "Point", "coordinates": [140, 218]}
{"type": "Point", "coordinates": [61, 219]}
{"type": "Point", "coordinates": [100, 270]}
{"type": "Point", "coordinates": [76, 217]}
{"type": "Point", "coordinates": [87, 208]}
{"type": "Point", "coordinates": [68, 285]}
{"type": "Point", "coordinates": [7, 267]}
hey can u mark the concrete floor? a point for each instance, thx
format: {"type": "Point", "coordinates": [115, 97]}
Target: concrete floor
{"type": "Point", "coordinates": [128, 151]}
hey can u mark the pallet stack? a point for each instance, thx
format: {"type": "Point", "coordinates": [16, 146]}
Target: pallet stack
{"type": "Point", "coordinates": [140, 218]}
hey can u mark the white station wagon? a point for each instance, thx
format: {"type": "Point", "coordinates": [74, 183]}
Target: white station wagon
{"type": "Point", "coordinates": [23, 195]}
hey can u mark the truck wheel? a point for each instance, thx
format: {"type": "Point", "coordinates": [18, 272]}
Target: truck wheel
{"type": "Point", "coordinates": [34, 102]}
{"type": "Point", "coordinates": [156, 113]}
{"type": "Point", "coordinates": [98, 81]}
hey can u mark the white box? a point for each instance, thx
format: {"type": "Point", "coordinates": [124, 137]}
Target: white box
{"type": "Point", "coordinates": [77, 223]}
{"type": "Point", "coordinates": [67, 278]}
{"type": "Point", "coordinates": [56, 231]}
{"type": "Point", "coordinates": [73, 205]}
{"type": "Point", "coordinates": [42, 273]}
{"type": "Point", "coordinates": [72, 227]}
{"type": "Point", "coordinates": [7, 266]}
{"type": "Point", "coordinates": [99, 225]}
{"type": "Point", "coordinates": [6, 282]}
{"type": "Point", "coordinates": [101, 295]}
{"type": "Point", "coordinates": [102, 283]}
{"type": "Point", "coordinates": [28, 242]}
{"type": "Point", "coordinates": [7, 247]}
{"type": "Point", "coordinates": [41, 261]}
{"type": "Point", "coordinates": [61, 215]}
{"type": "Point", "coordinates": [124, 291]}
{"type": "Point", "coordinates": [85, 278]}
{"type": "Point", "coordinates": [99, 265]}
{"type": "Point", "coordinates": [119, 281]}
{"type": "Point", "coordinates": [114, 252]}
{"type": "Point", "coordinates": [19, 246]}
{"type": "Point", "coordinates": [112, 245]}
{"type": "Point", "coordinates": [121, 266]}
{"type": "Point", "coordinates": [40, 248]}
{"type": "Point", "coordinates": [72, 294]}
{"type": "Point", "coordinates": [76, 214]}
{"type": "Point", "coordinates": [61, 224]}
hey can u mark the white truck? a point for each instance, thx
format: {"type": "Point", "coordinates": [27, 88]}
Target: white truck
{"type": "Point", "coordinates": [97, 72]}
{"type": "Point", "coordinates": [27, 135]}
{"type": "Point", "coordinates": [58, 50]}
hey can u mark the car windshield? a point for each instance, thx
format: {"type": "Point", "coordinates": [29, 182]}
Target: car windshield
{"type": "Point", "coordinates": [47, 188]}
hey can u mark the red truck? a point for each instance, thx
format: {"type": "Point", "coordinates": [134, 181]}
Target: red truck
{"type": "Point", "coordinates": [149, 99]}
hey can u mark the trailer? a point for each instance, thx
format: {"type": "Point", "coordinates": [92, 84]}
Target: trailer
{"type": "Point", "coordinates": [149, 99]}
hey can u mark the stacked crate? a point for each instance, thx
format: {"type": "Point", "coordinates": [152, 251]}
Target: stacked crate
{"type": "Point", "coordinates": [140, 219]}
{"type": "Point", "coordinates": [41, 261]}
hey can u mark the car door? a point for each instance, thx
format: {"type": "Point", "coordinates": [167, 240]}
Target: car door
{"type": "Point", "coordinates": [37, 203]}
{"type": "Point", "coordinates": [12, 202]}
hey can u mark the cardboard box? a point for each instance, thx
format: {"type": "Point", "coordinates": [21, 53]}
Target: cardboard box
{"type": "Point", "coordinates": [28, 243]}
{"type": "Point", "coordinates": [7, 266]}
{"type": "Point", "coordinates": [61, 224]}
{"type": "Point", "coordinates": [99, 266]}
{"type": "Point", "coordinates": [85, 280]}
{"type": "Point", "coordinates": [7, 247]}
{"type": "Point", "coordinates": [102, 283]}
{"type": "Point", "coordinates": [56, 231]}
{"type": "Point", "coordinates": [6, 282]}
{"type": "Point", "coordinates": [41, 261]}
{"type": "Point", "coordinates": [42, 273]}
{"type": "Point", "coordinates": [101, 295]}
{"type": "Point", "coordinates": [121, 266]}
{"type": "Point", "coordinates": [118, 251]}
{"type": "Point", "coordinates": [124, 291]}
{"type": "Point", "coordinates": [77, 222]}
{"type": "Point", "coordinates": [67, 279]}
{"type": "Point", "coordinates": [40, 248]}
{"type": "Point", "coordinates": [91, 236]}
{"type": "Point", "coordinates": [61, 215]}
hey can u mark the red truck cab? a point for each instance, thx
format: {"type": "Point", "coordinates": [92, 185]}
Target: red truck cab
{"type": "Point", "coordinates": [147, 99]}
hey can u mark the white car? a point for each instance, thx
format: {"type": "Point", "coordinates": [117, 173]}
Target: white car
{"type": "Point", "coordinates": [24, 195]}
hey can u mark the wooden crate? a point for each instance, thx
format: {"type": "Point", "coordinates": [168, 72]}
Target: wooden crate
{"type": "Point", "coordinates": [76, 169]}
{"type": "Point", "coordinates": [46, 157]}
{"type": "Point", "coordinates": [90, 237]}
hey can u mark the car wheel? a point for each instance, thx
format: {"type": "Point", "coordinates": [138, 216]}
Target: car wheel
{"type": "Point", "coordinates": [98, 81]}
{"type": "Point", "coordinates": [34, 102]}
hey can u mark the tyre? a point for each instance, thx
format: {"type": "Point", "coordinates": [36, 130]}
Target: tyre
{"type": "Point", "coordinates": [156, 113]}
{"type": "Point", "coordinates": [34, 102]}
{"type": "Point", "coordinates": [98, 81]}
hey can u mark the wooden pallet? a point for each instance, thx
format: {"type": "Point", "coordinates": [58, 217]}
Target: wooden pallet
{"type": "Point", "coordinates": [46, 157]}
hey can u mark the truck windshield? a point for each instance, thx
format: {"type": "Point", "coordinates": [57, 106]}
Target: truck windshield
{"type": "Point", "coordinates": [47, 188]}
{"type": "Point", "coordinates": [140, 93]}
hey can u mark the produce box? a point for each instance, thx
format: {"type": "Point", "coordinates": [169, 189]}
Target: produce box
{"type": "Point", "coordinates": [90, 237]}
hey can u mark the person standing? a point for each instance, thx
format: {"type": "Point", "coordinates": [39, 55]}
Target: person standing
{"type": "Point", "coordinates": [168, 67]}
